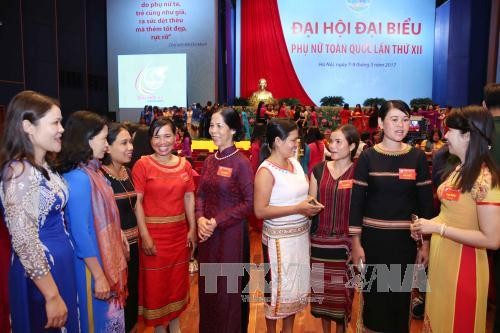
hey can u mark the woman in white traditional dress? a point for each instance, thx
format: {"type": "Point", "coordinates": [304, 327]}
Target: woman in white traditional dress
{"type": "Point", "coordinates": [281, 199]}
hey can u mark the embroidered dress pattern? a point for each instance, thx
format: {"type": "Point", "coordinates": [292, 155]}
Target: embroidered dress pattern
{"type": "Point", "coordinates": [33, 207]}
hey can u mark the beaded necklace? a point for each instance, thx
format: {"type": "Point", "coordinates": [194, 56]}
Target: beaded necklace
{"type": "Point", "coordinates": [223, 158]}
{"type": "Point", "coordinates": [122, 176]}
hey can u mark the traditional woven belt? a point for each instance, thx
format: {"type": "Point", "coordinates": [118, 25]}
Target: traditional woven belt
{"type": "Point", "coordinates": [283, 231]}
{"type": "Point", "coordinates": [385, 224]}
{"type": "Point", "coordinates": [165, 219]}
{"type": "Point", "coordinates": [132, 234]}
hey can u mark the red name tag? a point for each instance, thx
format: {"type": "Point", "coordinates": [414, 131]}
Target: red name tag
{"type": "Point", "coordinates": [224, 172]}
{"type": "Point", "coordinates": [451, 194]}
{"type": "Point", "coordinates": [409, 174]}
{"type": "Point", "coordinates": [185, 176]}
{"type": "Point", "coordinates": [345, 184]}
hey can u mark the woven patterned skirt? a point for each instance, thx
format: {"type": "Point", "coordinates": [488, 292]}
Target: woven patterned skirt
{"type": "Point", "coordinates": [288, 275]}
{"type": "Point", "coordinates": [330, 299]}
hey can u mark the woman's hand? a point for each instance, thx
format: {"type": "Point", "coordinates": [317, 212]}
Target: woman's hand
{"type": "Point", "coordinates": [148, 245]}
{"type": "Point", "coordinates": [423, 254]}
{"type": "Point", "coordinates": [191, 240]}
{"type": "Point", "coordinates": [101, 288]}
{"type": "Point", "coordinates": [413, 234]}
{"type": "Point", "coordinates": [206, 228]}
{"type": "Point", "coordinates": [357, 254]}
{"type": "Point", "coordinates": [125, 246]}
{"type": "Point", "coordinates": [424, 227]}
{"type": "Point", "coordinates": [306, 208]}
{"type": "Point", "coordinates": [57, 312]}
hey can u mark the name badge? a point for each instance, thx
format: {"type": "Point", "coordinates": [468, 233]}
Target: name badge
{"type": "Point", "coordinates": [408, 174]}
{"type": "Point", "coordinates": [345, 184]}
{"type": "Point", "coordinates": [224, 172]}
{"type": "Point", "coordinates": [185, 176]}
{"type": "Point", "coordinates": [451, 194]}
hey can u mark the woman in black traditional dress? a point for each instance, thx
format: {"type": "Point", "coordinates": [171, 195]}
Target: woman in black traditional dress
{"type": "Point", "coordinates": [391, 182]}
{"type": "Point", "coordinates": [120, 153]}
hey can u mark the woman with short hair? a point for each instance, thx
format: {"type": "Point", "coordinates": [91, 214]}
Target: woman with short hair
{"type": "Point", "coordinates": [223, 203]}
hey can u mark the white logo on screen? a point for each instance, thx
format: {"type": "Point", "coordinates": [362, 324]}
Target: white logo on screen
{"type": "Point", "coordinates": [358, 5]}
{"type": "Point", "coordinates": [150, 79]}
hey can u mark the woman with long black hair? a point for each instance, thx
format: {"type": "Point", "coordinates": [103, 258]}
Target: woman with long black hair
{"type": "Point", "coordinates": [281, 199]}
{"type": "Point", "coordinates": [391, 182]}
{"type": "Point", "coordinates": [165, 217]}
{"type": "Point", "coordinates": [119, 176]}
{"type": "Point", "coordinates": [467, 225]}
{"type": "Point", "coordinates": [94, 223]}
{"type": "Point", "coordinates": [41, 277]}
{"type": "Point", "coordinates": [331, 185]}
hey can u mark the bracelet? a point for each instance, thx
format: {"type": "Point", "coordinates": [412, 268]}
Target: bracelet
{"type": "Point", "coordinates": [443, 229]}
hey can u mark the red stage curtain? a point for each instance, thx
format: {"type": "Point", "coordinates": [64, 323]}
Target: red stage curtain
{"type": "Point", "coordinates": [264, 53]}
